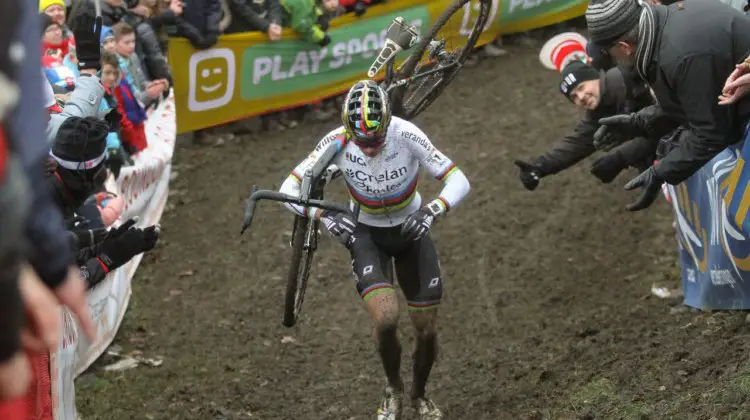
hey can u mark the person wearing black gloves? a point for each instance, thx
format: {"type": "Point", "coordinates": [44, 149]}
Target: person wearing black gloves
{"type": "Point", "coordinates": [252, 15]}
{"type": "Point", "coordinates": [117, 248]}
{"type": "Point", "coordinates": [600, 94]}
{"type": "Point", "coordinates": [685, 51]}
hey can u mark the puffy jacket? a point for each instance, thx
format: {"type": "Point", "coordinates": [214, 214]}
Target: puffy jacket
{"type": "Point", "coordinates": [251, 15]}
{"type": "Point", "coordinates": [148, 49]}
{"type": "Point", "coordinates": [302, 16]}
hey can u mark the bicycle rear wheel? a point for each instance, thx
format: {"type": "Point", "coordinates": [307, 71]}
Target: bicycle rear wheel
{"type": "Point", "coordinates": [410, 100]}
{"type": "Point", "coordinates": [299, 269]}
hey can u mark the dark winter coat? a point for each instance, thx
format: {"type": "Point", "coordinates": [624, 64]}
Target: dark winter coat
{"type": "Point", "coordinates": [697, 45]}
{"type": "Point", "coordinates": [617, 97]}
{"type": "Point", "coordinates": [253, 15]}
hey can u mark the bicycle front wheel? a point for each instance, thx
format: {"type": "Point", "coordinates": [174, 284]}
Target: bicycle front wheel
{"type": "Point", "coordinates": [299, 269]}
{"type": "Point", "coordinates": [439, 56]}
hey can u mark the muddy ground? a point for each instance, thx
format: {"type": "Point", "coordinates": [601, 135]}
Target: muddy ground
{"type": "Point", "coordinates": [547, 310]}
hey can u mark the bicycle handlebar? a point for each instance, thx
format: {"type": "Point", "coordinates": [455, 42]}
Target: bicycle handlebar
{"type": "Point", "coordinates": [272, 195]}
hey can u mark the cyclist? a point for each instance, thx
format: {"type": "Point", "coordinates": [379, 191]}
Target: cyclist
{"type": "Point", "coordinates": [380, 157]}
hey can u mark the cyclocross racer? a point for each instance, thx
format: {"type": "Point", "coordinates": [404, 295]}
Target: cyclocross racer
{"type": "Point", "coordinates": [380, 157]}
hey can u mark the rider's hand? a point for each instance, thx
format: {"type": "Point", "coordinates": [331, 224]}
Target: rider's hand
{"type": "Point", "coordinates": [650, 182]}
{"type": "Point", "coordinates": [417, 224]}
{"type": "Point", "coordinates": [338, 223]}
{"type": "Point", "coordinates": [606, 168]}
{"type": "Point", "coordinates": [530, 174]}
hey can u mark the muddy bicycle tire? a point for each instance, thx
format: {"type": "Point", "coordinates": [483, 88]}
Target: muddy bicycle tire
{"type": "Point", "coordinates": [408, 68]}
{"type": "Point", "coordinates": [299, 270]}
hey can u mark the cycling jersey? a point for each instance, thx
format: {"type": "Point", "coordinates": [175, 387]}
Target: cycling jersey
{"type": "Point", "coordinates": [385, 186]}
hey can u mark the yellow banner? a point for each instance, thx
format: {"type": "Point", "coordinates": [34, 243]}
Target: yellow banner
{"type": "Point", "coordinates": [245, 74]}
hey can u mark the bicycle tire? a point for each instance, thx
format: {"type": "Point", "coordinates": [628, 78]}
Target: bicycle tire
{"type": "Point", "coordinates": [296, 283]}
{"type": "Point", "coordinates": [397, 97]}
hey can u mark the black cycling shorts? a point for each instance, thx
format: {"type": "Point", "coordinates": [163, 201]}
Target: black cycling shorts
{"type": "Point", "coordinates": [416, 262]}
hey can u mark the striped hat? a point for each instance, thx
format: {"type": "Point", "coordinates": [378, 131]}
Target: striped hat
{"type": "Point", "coordinates": [608, 20]}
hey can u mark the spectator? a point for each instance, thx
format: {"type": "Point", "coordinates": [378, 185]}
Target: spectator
{"type": "Point", "coordinates": [56, 10]}
{"type": "Point", "coordinates": [147, 47]}
{"type": "Point", "coordinates": [132, 131]}
{"type": "Point", "coordinates": [160, 16]}
{"type": "Point", "coordinates": [107, 39]}
{"type": "Point", "coordinates": [600, 94]}
{"type": "Point", "coordinates": [685, 51]}
{"type": "Point", "coordinates": [145, 92]}
{"type": "Point", "coordinates": [110, 76]}
{"type": "Point", "coordinates": [199, 23]}
{"type": "Point", "coordinates": [112, 10]}
{"type": "Point", "coordinates": [359, 7]}
{"type": "Point", "coordinates": [250, 16]}
{"type": "Point", "coordinates": [303, 15]}
{"type": "Point", "coordinates": [71, 60]}
{"type": "Point", "coordinates": [53, 43]}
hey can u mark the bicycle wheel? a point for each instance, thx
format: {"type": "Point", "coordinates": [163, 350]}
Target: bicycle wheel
{"type": "Point", "coordinates": [410, 100]}
{"type": "Point", "coordinates": [299, 270]}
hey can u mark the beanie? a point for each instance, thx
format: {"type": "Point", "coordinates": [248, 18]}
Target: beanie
{"type": "Point", "coordinates": [599, 59]}
{"type": "Point", "coordinates": [44, 4]}
{"type": "Point", "coordinates": [106, 34]}
{"type": "Point", "coordinates": [574, 74]}
{"type": "Point", "coordinates": [608, 20]}
{"type": "Point", "coordinates": [80, 143]}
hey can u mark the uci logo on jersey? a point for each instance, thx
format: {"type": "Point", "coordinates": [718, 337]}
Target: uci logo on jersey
{"type": "Point", "coordinates": [355, 159]}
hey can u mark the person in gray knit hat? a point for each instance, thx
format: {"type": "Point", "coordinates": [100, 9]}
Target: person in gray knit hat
{"type": "Point", "coordinates": [685, 51]}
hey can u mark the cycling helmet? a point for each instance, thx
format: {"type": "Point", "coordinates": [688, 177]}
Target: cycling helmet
{"type": "Point", "coordinates": [366, 112]}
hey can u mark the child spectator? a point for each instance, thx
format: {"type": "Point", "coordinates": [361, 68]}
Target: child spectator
{"type": "Point", "coordinates": [144, 91]}
{"type": "Point", "coordinates": [107, 39]}
{"type": "Point", "coordinates": [55, 9]}
{"type": "Point", "coordinates": [303, 15]}
{"type": "Point", "coordinates": [110, 77]}
{"type": "Point", "coordinates": [132, 133]}
{"type": "Point", "coordinates": [53, 43]}
{"type": "Point", "coordinates": [147, 47]}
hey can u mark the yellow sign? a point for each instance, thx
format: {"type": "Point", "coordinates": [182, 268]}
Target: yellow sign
{"type": "Point", "coordinates": [245, 74]}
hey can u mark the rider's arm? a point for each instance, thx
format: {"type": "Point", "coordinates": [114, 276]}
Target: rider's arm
{"type": "Point", "coordinates": [456, 185]}
{"type": "Point", "coordinates": [293, 183]}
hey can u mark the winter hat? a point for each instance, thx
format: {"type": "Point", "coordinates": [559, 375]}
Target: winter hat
{"type": "Point", "coordinates": [563, 49]}
{"type": "Point", "coordinates": [80, 143]}
{"type": "Point", "coordinates": [608, 20]}
{"type": "Point", "coordinates": [574, 74]}
{"type": "Point", "coordinates": [599, 60]}
{"type": "Point", "coordinates": [106, 34]}
{"type": "Point", "coordinates": [45, 4]}
{"type": "Point", "coordinates": [47, 22]}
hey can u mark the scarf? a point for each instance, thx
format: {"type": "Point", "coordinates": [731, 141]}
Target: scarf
{"type": "Point", "coordinates": [646, 41]}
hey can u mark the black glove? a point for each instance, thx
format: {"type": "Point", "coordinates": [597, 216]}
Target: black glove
{"type": "Point", "coordinates": [118, 250]}
{"type": "Point", "coordinates": [417, 225]}
{"type": "Point", "coordinates": [115, 161]}
{"type": "Point", "coordinates": [606, 168]}
{"type": "Point", "coordinates": [80, 238]}
{"type": "Point", "coordinates": [530, 174]}
{"type": "Point", "coordinates": [87, 29]}
{"type": "Point", "coordinates": [650, 181]}
{"type": "Point", "coordinates": [76, 222]}
{"type": "Point", "coordinates": [337, 223]}
{"type": "Point", "coordinates": [360, 8]}
{"type": "Point", "coordinates": [325, 41]}
{"type": "Point", "coordinates": [618, 129]}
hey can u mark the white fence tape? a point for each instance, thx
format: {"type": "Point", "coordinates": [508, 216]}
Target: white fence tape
{"type": "Point", "coordinates": [144, 187]}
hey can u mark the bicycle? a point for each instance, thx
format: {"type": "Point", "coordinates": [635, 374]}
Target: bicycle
{"type": "Point", "coordinates": [305, 231]}
{"type": "Point", "coordinates": [442, 64]}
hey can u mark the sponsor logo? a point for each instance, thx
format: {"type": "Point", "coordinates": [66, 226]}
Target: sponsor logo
{"type": "Point", "coordinates": [355, 159]}
{"type": "Point", "coordinates": [437, 158]}
{"type": "Point", "coordinates": [364, 181]}
{"type": "Point", "coordinates": [416, 139]}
